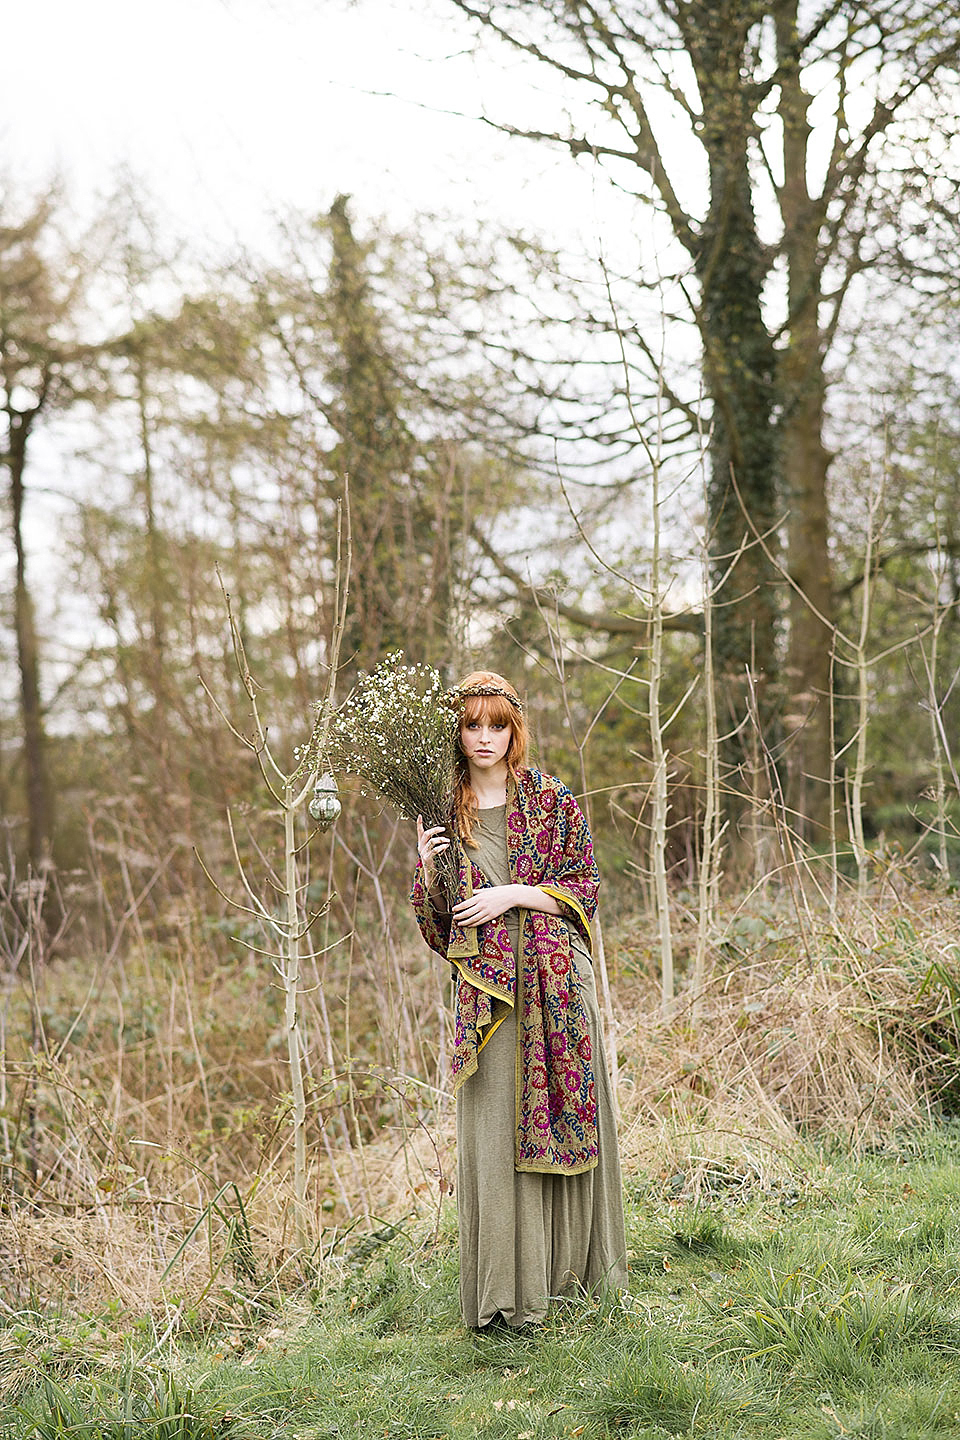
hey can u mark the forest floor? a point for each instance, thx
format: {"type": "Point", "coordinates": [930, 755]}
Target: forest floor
{"type": "Point", "coordinates": [822, 1303]}
{"type": "Point", "coordinates": [793, 1204]}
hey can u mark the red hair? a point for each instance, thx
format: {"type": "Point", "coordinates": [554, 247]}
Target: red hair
{"type": "Point", "coordinates": [496, 710]}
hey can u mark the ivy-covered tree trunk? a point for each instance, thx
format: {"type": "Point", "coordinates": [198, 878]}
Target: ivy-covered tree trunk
{"type": "Point", "coordinates": [375, 450]}
{"type": "Point", "coordinates": [739, 362]}
{"type": "Point", "coordinates": [37, 787]}
{"type": "Point", "coordinates": [355, 363]}
{"type": "Point", "coordinates": [27, 390]}
{"type": "Point", "coordinates": [42, 371]}
{"type": "Point", "coordinates": [805, 459]}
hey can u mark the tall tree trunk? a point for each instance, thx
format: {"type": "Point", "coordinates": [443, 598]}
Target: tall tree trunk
{"type": "Point", "coordinates": [808, 655]}
{"type": "Point", "coordinates": [154, 564]}
{"type": "Point", "coordinates": [740, 367]}
{"type": "Point", "coordinates": [36, 774]}
{"type": "Point", "coordinates": [373, 448]}
{"type": "Point", "coordinates": [805, 459]}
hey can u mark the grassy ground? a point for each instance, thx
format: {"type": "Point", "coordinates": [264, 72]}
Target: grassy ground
{"type": "Point", "coordinates": [822, 1305]}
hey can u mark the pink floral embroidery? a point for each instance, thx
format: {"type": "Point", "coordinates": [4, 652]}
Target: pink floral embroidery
{"type": "Point", "coordinates": [547, 844]}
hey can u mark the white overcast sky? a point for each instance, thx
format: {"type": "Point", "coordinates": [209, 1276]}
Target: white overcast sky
{"type": "Point", "coordinates": [231, 111]}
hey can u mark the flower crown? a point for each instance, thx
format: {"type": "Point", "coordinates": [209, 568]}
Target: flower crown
{"type": "Point", "coordinates": [463, 692]}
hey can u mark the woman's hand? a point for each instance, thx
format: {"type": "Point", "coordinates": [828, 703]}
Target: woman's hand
{"type": "Point", "coordinates": [430, 844]}
{"type": "Point", "coordinates": [484, 905]}
{"type": "Point", "coordinates": [495, 900]}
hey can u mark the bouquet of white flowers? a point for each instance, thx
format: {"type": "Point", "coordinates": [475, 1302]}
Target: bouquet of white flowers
{"type": "Point", "coordinates": [397, 731]}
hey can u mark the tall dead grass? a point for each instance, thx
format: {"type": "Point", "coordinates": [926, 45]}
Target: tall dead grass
{"type": "Point", "coordinates": [856, 1037]}
{"type": "Point", "coordinates": [146, 1160]}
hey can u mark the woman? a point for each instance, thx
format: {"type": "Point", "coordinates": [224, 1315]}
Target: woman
{"type": "Point", "coordinates": [538, 1175]}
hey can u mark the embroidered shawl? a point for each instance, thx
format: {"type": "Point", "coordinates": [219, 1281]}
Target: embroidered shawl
{"type": "Point", "coordinates": [549, 845]}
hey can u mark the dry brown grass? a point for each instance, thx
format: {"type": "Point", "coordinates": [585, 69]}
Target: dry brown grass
{"type": "Point", "coordinates": [146, 1160]}
{"type": "Point", "coordinates": [801, 1032]}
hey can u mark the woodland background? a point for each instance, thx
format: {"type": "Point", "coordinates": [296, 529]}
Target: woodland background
{"type": "Point", "coordinates": [695, 493]}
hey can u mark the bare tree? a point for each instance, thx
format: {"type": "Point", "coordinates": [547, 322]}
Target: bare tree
{"type": "Point", "coordinates": [740, 80]}
{"type": "Point", "coordinates": [44, 368]}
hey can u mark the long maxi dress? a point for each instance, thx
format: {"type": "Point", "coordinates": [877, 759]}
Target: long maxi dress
{"type": "Point", "coordinates": [526, 1237]}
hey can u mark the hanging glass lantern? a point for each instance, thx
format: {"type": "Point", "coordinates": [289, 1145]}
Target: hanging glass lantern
{"type": "Point", "coordinates": [325, 805]}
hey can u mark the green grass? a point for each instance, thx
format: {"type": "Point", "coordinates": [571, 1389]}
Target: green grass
{"type": "Point", "coordinates": [820, 1309]}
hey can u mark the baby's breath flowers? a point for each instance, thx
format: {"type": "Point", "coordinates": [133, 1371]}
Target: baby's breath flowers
{"type": "Point", "coordinates": [397, 731]}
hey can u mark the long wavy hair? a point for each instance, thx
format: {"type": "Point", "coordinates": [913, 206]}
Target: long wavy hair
{"type": "Point", "coordinates": [496, 710]}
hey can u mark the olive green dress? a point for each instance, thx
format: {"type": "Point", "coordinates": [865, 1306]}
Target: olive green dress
{"type": "Point", "coordinates": [527, 1237]}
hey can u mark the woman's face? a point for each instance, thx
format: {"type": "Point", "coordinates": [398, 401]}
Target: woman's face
{"type": "Point", "coordinates": [485, 744]}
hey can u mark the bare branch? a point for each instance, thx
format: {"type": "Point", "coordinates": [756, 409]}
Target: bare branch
{"type": "Point", "coordinates": [609, 622]}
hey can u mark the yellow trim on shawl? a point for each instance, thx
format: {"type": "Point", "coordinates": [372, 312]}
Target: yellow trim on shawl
{"type": "Point", "coordinates": [518, 1052]}
{"type": "Point", "coordinates": [470, 1068]}
{"type": "Point", "coordinates": [565, 899]}
{"type": "Point", "coordinates": [496, 1024]}
{"type": "Point", "coordinates": [465, 950]}
{"type": "Point", "coordinates": [470, 944]}
{"type": "Point", "coordinates": [478, 984]}
{"type": "Point", "coordinates": [473, 1063]}
{"type": "Point", "coordinates": [530, 1167]}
